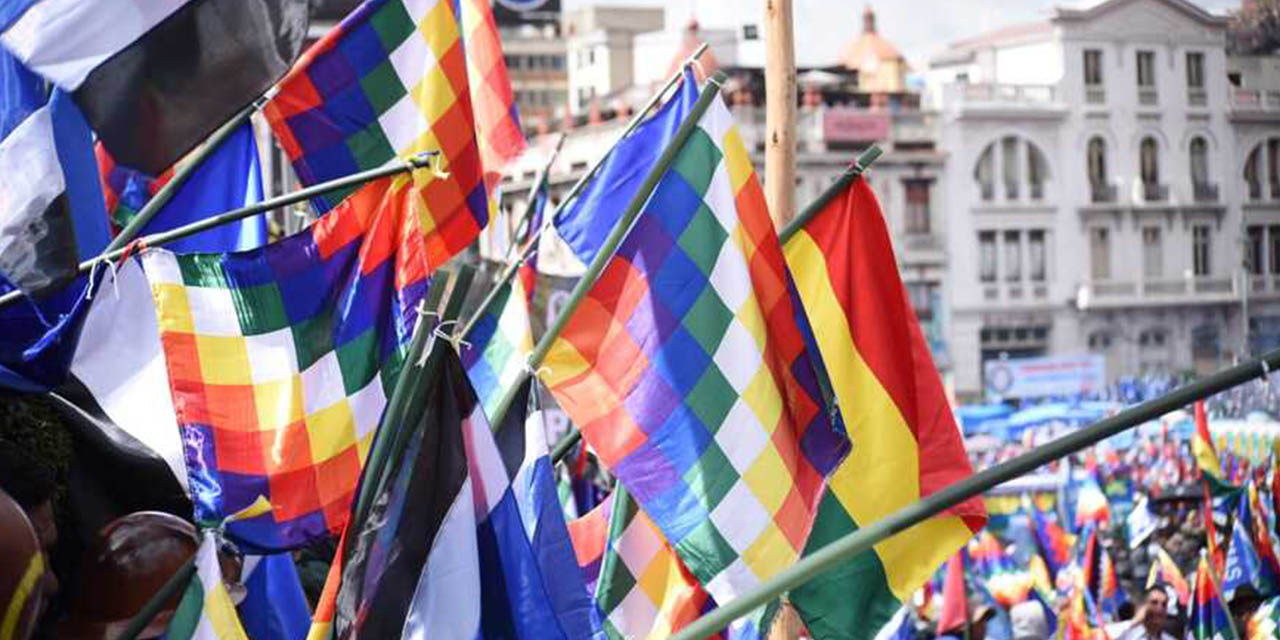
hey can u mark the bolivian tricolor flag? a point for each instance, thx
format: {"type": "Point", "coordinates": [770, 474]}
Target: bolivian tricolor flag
{"type": "Point", "coordinates": [905, 441]}
{"type": "Point", "coordinates": [1202, 445]}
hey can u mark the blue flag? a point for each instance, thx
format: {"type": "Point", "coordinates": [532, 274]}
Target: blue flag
{"type": "Point", "coordinates": [51, 218]}
{"type": "Point", "coordinates": [1244, 567]}
{"type": "Point", "coordinates": [274, 607]}
{"type": "Point", "coordinates": [585, 222]}
{"type": "Point", "coordinates": [229, 178]}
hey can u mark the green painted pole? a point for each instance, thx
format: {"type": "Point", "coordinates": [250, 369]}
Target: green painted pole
{"type": "Point", "coordinates": [565, 445]}
{"type": "Point", "coordinates": [860, 165]}
{"type": "Point", "coordinates": [177, 582]}
{"type": "Point", "coordinates": [420, 161]}
{"type": "Point", "coordinates": [166, 192]}
{"type": "Point", "coordinates": [868, 536]}
{"type": "Point", "coordinates": [526, 217]}
{"type": "Point", "coordinates": [510, 271]}
{"type": "Point", "coordinates": [710, 91]}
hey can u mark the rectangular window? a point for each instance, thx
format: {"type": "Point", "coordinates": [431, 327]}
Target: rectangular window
{"type": "Point", "coordinates": [1253, 250]}
{"type": "Point", "coordinates": [1195, 70]}
{"type": "Point", "coordinates": [987, 256]}
{"type": "Point", "coordinates": [1147, 69]}
{"type": "Point", "coordinates": [1093, 67]}
{"type": "Point", "coordinates": [1100, 253]}
{"type": "Point", "coordinates": [1273, 249]}
{"type": "Point", "coordinates": [1036, 255]}
{"type": "Point", "coordinates": [1152, 253]}
{"type": "Point", "coordinates": [917, 206]}
{"type": "Point", "coordinates": [1200, 250]}
{"type": "Point", "coordinates": [1012, 256]}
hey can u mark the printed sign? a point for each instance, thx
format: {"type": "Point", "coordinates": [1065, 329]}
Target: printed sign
{"type": "Point", "coordinates": [1039, 377]}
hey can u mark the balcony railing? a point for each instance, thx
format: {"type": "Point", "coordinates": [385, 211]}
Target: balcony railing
{"type": "Point", "coordinates": [966, 94]}
{"type": "Point", "coordinates": [1204, 192]}
{"type": "Point", "coordinates": [1148, 96]}
{"type": "Point", "coordinates": [1102, 193]}
{"type": "Point", "coordinates": [1095, 95]}
{"type": "Point", "coordinates": [1242, 99]}
{"type": "Point", "coordinates": [1153, 192]}
{"type": "Point", "coordinates": [1197, 97]}
{"type": "Point", "coordinates": [1161, 290]}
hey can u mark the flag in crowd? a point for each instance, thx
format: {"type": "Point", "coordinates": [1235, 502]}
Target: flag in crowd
{"type": "Point", "coordinates": [497, 348]}
{"type": "Point", "coordinates": [206, 611]}
{"type": "Point", "coordinates": [893, 406]}
{"type": "Point", "coordinates": [1208, 616]}
{"type": "Point", "coordinates": [687, 369]}
{"type": "Point", "coordinates": [150, 100]}
{"type": "Point", "coordinates": [389, 81]}
{"type": "Point", "coordinates": [532, 233]}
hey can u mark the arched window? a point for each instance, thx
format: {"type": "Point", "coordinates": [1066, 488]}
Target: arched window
{"type": "Point", "coordinates": [984, 173]}
{"type": "Point", "coordinates": [1199, 152]}
{"type": "Point", "coordinates": [1262, 170]}
{"type": "Point", "coordinates": [1016, 166]}
{"type": "Point", "coordinates": [1096, 159]}
{"type": "Point", "coordinates": [1149, 169]}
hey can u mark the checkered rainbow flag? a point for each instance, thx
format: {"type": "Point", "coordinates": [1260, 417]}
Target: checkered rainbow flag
{"type": "Point", "coordinates": [497, 348]}
{"type": "Point", "coordinates": [388, 82]}
{"type": "Point", "coordinates": [280, 361]}
{"type": "Point", "coordinates": [689, 369]}
{"type": "Point", "coordinates": [497, 123]}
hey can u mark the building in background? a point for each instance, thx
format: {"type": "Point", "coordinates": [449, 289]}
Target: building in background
{"type": "Point", "coordinates": [535, 53]}
{"type": "Point", "coordinates": [599, 41]}
{"type": "Point", "coordinates": [1101, 182]}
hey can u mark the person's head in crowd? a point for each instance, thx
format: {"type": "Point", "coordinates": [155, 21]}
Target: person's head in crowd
{"type": "Point", "coordinates": [31, 484]}
{"type": "Point", "coordinates": [1125, 611]}
{"type": "Point", "coordinates": [1243, 603]}
{"type": "Point", "coordinates": [1029, 621]}
{"type": "Point", "coordinates": [128, 562]}
{"type": "Point", "coordinates": [1154, 613]}
{"type": "Point", "coordinates": [22, 570]}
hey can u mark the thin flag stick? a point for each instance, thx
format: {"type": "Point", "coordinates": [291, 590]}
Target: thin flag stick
{"type": "Point", "coordinates": [565, 445]}
{"type": "Point", "coordinates": [419, 161]}
{"type": "Point", "coordinates": [513, 266]}
{"type": "Point", "coordinates": [865, 538]}
{"type": "Point", "coordinates": [710, 91]}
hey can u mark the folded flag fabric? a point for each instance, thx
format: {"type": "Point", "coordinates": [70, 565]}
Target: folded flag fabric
{"type": "Point", "coordinates": [497, 123]}
{"type": "Point", "coordinates": [585, 222]}
{"type": "Point", "coordinates": [444, 552]}
{"type": "Point", "coordinates": [688, 369]}
{"type": "Point", "coordinates": [955, 597]}
{"type": "Point", "coordinates": [280, 361]}
{"type": "Point", "coordinates": [389, 81]}
{"type": "Point", "coordinates": [1208, 619]}
{"type": "Point", "coordinates": [1202, 445]}
{"type": "Point", "coordinates": [166, 73]}
{"type": "Point", "coordinates": [895, 410]}
{"type": "Point", "coordinates": [51, 215]}
{"type": "Point", "coordinates": [1245, 566]}
{"type": "Point", "coordinates": [1165, 571]}
{"type": "Point", "coordinates": [1052, 540]}
{"type": "Point", "coordinates": [528, 274]}
{"type": "Point", "coordinates": [274, 606]}
{"type": "Point", "coordinates": [497, 348]}
{"type": "Point", "coordinates": [590, 535]}
{"type": "Point", "coordinates": [644, 590]}
{"type": "Point", "coordinates": [1264, 624]}
{"type": "Point", "coordinates": [229, 178]}
{"type": "Point", "coordinates": [205, 611]}
{"type": "Point", "coordinates": [522, 443]}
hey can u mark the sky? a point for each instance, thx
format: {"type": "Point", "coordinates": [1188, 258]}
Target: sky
{"type": "Point", "coordinates": [919, 28]}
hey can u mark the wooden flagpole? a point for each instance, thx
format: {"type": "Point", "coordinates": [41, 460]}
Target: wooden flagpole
{"type": "Point", "coordinates": [780, 111]}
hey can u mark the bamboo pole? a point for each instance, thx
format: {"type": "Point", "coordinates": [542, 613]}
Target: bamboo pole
{"type": "Point", "coordinates": [864, 160]}
{"type": "Point", "coordinates": [950, 496]}
{"type": "Point", "coordinates": [419, 161]}
{"type": "Point", "coordinates": [780, 111]}
{"type": "Point", "coordinates": [512, 267]}
{"type": "Point", "coordinates": [710, 91]}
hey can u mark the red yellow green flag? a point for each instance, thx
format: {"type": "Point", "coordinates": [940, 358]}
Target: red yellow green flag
{"type": "Point", "coordinates": [906, 444]}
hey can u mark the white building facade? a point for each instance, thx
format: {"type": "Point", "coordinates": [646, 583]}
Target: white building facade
{"type": "Point", "coordinates": [1098, 200]}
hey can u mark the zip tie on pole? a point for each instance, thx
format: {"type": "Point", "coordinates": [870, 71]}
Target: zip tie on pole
{"type": "Point", "coordinates": [534, 373]}
{"type": "Point", "coordinates": [441, 333]}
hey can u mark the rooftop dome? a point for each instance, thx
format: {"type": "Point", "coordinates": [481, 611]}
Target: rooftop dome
{"type": "Point", "coordinates": [869, 50]}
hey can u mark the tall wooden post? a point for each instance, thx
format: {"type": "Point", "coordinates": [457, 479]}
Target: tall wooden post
{"type": "Point", "coordinates": [780, 111]}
